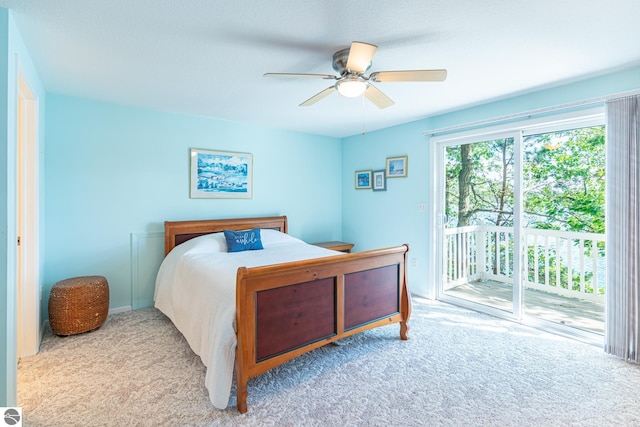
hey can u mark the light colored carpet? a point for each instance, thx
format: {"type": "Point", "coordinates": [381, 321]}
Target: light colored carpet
{"type": "Point", "coordinates": [459, 368]}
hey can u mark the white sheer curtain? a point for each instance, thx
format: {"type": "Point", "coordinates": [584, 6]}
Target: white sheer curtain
{"type": "Point", "coordinates": [622, 334]}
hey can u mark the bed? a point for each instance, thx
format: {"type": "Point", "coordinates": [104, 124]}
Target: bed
{"type": "Point", "coordinates": [247, 312]}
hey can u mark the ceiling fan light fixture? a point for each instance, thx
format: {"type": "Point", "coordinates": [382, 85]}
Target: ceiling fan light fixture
{"type": "Point", "coordinates": [351, 87]}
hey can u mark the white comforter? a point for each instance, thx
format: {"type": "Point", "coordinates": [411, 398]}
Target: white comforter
{"type": "Point", "coordinates": [195, 288]}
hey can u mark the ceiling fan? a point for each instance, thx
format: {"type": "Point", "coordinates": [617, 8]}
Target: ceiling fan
{"type": "Point", "coordinates": [351, 63]}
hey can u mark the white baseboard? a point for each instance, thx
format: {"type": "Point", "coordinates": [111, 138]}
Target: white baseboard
{"type": "Point", "coordinates": [120, 309]}
{"type": "Point", "coordinates": [422, 295]}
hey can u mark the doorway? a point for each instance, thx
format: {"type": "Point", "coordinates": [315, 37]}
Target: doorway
{"type": "Point", "coordinates": [27, 218]}
{"type": "Point", "coordinates": [480, 256]}
{"type": "Point", "coordinates": [521, 234]}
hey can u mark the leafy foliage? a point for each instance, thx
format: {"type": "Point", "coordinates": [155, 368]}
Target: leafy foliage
{"type": "Point", "coordinates": [485, 177]}
{"type": "Point", "coordinates": [563, 181]}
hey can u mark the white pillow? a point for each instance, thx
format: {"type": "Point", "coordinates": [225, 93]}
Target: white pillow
{"type": "Point", "coordinates": [214, 242]}
{"type": "Point", "coordinates": [272, 237]}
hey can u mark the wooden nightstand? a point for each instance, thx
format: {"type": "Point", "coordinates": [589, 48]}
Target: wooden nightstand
{"type": "Point", "coordinates": [336, 246]}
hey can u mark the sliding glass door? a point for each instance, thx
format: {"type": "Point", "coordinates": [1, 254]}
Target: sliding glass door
{"type": "Point", "coordinates": [521, 223]}
{"type": "Point", "coordinates": [480, 254]}
{"type": "Point", "coordinates": [563, 227]}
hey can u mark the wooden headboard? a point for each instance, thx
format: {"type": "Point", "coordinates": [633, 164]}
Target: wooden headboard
{"type": "Point", "coordinates": [177, 232]}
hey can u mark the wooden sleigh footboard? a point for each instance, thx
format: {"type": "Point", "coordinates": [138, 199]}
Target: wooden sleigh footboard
{"type": "Point", "coordinates": [286, 310]}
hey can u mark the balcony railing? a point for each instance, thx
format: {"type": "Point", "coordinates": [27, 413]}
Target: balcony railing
{"type": "Point", "coordinates": [561, 262]}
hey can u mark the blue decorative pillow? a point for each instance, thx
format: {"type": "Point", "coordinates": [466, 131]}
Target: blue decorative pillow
{"type": "Point", "coordinates": [243, 240]}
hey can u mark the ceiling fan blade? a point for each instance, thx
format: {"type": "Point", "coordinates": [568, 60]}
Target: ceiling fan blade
{"type": "Point", "coordinates": [374, 95]}
{"type": "Point", "coordinates": [409, 76]}
{"type": "Point", "coordinates": [308, 76]}
{"type": "Point", "coordinates": [360, 56]}
{"type": "Point", "coordinates": [318, 96]}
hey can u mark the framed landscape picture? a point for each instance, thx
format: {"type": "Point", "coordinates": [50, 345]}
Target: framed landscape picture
{"type": "Point", "coordinates": [379, 180]}
{"type": "Point", "coordinates": [221, 175]}
{"type": "Point", "coordinates": [363, 180]}
{"type": "Point", "coordinates": [397, 166]}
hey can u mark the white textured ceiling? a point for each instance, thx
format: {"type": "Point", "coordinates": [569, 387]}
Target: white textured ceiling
{"type": "Point", "coordinates": [207, 57]}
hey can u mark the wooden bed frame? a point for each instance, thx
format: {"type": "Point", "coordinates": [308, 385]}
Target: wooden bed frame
{"type": "Point", "coordinates": [286, 310]}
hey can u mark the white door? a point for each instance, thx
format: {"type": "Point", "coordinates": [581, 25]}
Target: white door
{"type": "Point", "coordinates": [479, 201]}
{"type": "Point", "coordinates": [27, 272]}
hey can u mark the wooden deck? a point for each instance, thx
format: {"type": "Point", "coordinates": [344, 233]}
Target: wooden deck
{"type": "Point", "coordinates": [574, 312]}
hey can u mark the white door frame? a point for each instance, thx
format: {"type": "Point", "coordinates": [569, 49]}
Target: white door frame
{"type": "Point", "coordinates": [28, 259]}
{"type": "Point", "coordinates": [545, 123]}
{"type": "Point", "coordinates": [438, 168]}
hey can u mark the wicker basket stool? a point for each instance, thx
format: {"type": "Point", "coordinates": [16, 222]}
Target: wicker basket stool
{"type": "Point", "coordinates": [78, 305]}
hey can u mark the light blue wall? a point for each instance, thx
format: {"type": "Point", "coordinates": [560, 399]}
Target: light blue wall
{"type": "Point", "coordinates": [14, 59]}
{"type": "Point", "coordinates": [114, 171]}
{"type": "Point", "coordinates": [377, 219]}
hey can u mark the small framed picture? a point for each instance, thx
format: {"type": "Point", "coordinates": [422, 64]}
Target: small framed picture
{"type": "Point", "coordinates": [363, 180]}
{"type": "Point", "coordinates": [397, 166]}
{"type": "Point", "coordinates": [379, 180]}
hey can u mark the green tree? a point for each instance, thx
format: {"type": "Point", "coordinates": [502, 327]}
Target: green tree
{"type": "Point", "coordinates": [480, 183]}
{"type": "Point", "coordinates": [563, 181]}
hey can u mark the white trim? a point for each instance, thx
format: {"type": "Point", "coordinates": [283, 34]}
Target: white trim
{"type": "Point", "coordinates": [435, 246]}
{"type": "Point", "coordinates": [27, 219]}
{"type": "Point", "coordinates": [147, 253]}
{"type": "Point", "coordinates": [529, 114]}
{"type": "Point", "coordinates": [118, 310]}
{"type": "Point", "coordinates": [518, 291]}
{"type": "Point", "coordinates": [530, 126]}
